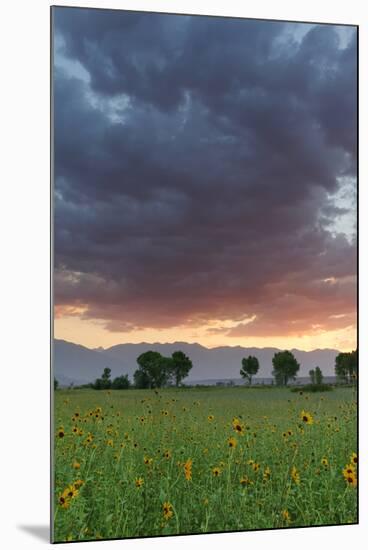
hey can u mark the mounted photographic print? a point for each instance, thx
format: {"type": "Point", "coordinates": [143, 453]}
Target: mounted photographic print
{"type": "Point", "coordinates": [204, 360]}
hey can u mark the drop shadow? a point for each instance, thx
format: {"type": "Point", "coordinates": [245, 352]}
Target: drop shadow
{"type": "Point", "coordinates": [41, 532]}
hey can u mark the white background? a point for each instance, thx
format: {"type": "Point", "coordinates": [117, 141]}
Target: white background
{"type": "Point", "coordinates": [24, 233]}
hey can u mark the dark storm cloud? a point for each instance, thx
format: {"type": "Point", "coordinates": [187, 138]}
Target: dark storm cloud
{"type": "Point", "coordinates": [194, 170]}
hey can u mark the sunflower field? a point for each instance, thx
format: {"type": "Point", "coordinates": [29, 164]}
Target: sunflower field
{"type": "Point", "coordinates": [134, 463]}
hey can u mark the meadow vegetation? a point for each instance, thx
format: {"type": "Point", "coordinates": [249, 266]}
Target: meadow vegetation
{"type": "Point", "coordinates": [168, 461]}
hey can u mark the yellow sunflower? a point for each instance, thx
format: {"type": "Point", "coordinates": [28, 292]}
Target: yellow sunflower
{"type": "Point", "coordinates": [295, 475]}
{"type": "Point", "coordinates": [70, 492]}
{"type": "Point", "coordinates": [352, 481]}
{"type": "Point", "coordinates": [354, 458]}
{"type": "Point", "coordinates": [64, 502]}
{"type": "Point", "coordinates": [245, 481]}
{"type": "Point", "coordinates": [167, 510]}
{"type": "Point", "coordinates": [77, 484]}
{"type": "Point", "coordinates": [238, 426]}
{"type": "Point", "coordinates": [188, 469]}
{"type": "Point", "coordinates": [306, 417]}
{"type": "Point", "coordinates": [349, 470]}
{"type": "Point", "coordinates": [139, 482]}
{"type": "Point", "coordinates": [89, 438]}
{"type": "Point", "coordinates": [60, 432]}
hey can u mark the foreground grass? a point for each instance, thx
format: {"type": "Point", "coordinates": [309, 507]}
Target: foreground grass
{"type": "Point", "coordinates": [143, 462]}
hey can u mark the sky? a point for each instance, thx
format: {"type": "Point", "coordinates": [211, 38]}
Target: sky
{"type": "Point", "coordinates": [205, 180]}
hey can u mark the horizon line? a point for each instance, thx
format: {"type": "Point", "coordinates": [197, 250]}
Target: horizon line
{"type": "Point", "coordinates": [191, 344]}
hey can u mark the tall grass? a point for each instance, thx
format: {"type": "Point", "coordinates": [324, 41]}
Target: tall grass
{"type": "Point", "coordinates": [120, 463]}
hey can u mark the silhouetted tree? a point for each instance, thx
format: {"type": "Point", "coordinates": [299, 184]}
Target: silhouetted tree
{"type": "Point", "coordinates": [141, 380]}
{"type": "Point", "coordinates": [106, 377]}
{"type": "Point", "coordinates": [179, 366]}
{"type": "Point", "coordinates": [121, 382]}
{"type": "Point", "coordinates": [56, 384]}
{"type": "Point", "coordinates": [318, 376]}
{"type": "Point", "coordinates": [285, 367]}
{"type": "Point", "coordinates": [155, 367]}
{"type": "Point", "coordinates": [346, 366]}
{"type": "Point", "coordinates": [250, 366]}
{"type": "Point", "coordinates": [103, 383]}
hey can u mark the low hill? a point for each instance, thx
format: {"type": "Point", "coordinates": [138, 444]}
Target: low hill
{"type": "Point", "coordinates": [78, 364]}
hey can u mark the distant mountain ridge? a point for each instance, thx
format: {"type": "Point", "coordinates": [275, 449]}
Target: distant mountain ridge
{"type": "Point", "coordinates": [74, 363]}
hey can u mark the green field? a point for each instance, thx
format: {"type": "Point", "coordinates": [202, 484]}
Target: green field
{"type": "Point", "coordinates": [143, 462]}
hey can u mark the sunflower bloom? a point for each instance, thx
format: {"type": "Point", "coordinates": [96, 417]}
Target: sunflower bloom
{"type": "Point", "coordinates": [167, 510]}
{"type": "Point", "coordinates": [188, 469]}
{"type": "Point", "coordinates": [64, 502]}
{"type": "Point", "coordinates": [351, 480]}
{"type": "Point", "coordinates": [60, 433]}
{"type": "Point", "coordinates": [232, 442]}
{"type": "Point", "coordinates": [89, 438]}
{"type": "Point", "coordinates": [295, 475]}
{"type": "Point", "coordinates": [350, 476]}
{"type": "Point", "coordinates": [77, 484]}
{"type": "Point", "coordinates": [354, 458]}
{"type": "Point", "coordinates": [286, 516]}
{"type": "Point", "coordinates": [245, 481]}
{"type": "Point", "coordinates": [70, 492]}
{"type": "Point", "coordinates": [139, 482]}
{"type": "Point", "coordinates": [349, 469]}
{"type": "Point", "coordinates": [306, 417]}
{"type": "Point", "coordinates": [216, 471]}
{"type": "Point", "coordinates": [238, 426]}
{"type": "Point", "coordinates": [73, 491]}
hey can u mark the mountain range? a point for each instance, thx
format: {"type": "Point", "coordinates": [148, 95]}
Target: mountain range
{"type": "Point", "coordinates": [77, 364]}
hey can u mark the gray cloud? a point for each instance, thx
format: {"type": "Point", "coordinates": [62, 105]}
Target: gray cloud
{"type": "Point", "coordinates": [194, 169]}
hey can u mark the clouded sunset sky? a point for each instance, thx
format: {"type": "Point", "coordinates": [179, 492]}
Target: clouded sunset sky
{"type": "Point", "coordinates": [204, 180]}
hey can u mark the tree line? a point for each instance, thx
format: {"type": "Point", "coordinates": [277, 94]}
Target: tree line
{"type": "Point", "coordinates": [286, 367]}
{"type": "Point", "coordinates": [154, 371]}
{"type": "Point", "coordinates": [157, 371]}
